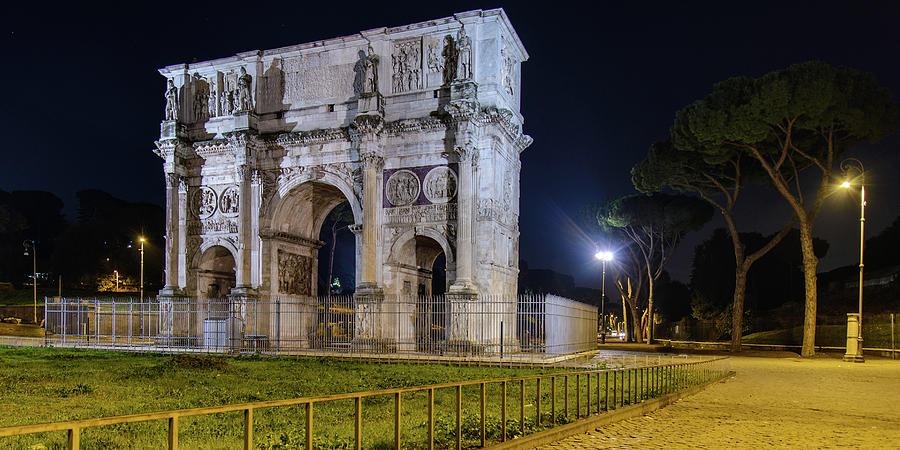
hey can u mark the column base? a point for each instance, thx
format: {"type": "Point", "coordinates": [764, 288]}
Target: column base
{"type": "Point", "coordinates": [854, 358]}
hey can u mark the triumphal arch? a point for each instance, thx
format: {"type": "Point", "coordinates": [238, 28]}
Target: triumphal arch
{"type": "Point", "coordinates": [418, 127]}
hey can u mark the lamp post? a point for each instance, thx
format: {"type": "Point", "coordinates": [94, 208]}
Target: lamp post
{"type": "Point", "coordinates": [141, 299]}
{"type": "Point", "coordinates": [604, 257]}
{"type": "Point", "coordinates": [854, 333]}
{"type": "Point", "coordinates": [30, 244]}
{"type": "Point", "coordinates": [116, 272]}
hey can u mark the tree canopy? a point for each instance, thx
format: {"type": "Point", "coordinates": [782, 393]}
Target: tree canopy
{"type": "Point", "coordinates": [785, 122]}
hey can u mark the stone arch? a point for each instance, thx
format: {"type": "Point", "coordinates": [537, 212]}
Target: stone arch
{"type": "Point", "coordinates": [429, 232]}
{"type": "Point", "coordinates": [216, 271]}
{"type": "Point", "coordinates": [327, 178]}
{"type": "Point", "coordinates": [290, 236]}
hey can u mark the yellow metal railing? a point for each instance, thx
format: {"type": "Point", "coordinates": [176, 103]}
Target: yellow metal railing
{"type": "Point", "coordinates": [619, 388]}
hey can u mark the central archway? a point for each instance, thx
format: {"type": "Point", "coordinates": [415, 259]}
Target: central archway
{"type": "Point", "coordinates": [291, 242]}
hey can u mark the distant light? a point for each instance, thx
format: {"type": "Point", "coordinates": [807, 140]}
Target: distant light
{"type": "Point", "coordinates": [141, 239]}
{"type": "Point", "coordinates": [845, 184]}
{"type": "Point", "coordinates": [604, 256]}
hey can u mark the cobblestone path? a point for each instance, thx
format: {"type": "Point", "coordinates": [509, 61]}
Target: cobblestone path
{"type": "Point", "coordinates": [772, 402]}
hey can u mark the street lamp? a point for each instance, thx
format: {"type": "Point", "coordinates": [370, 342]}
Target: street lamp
{"type": "Point", "coordinates": [29, 243]}
{"type": "Point", "coordinates": [116, 272]}
{"type": "Point", "coordinates": [604, 257]}
{"type": "Point", "coordinates": [141, 299]}
{"type": "Point", "coordinates": [854, 333]}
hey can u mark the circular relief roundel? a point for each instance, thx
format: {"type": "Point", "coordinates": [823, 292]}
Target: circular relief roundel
{"type": "Point", "coordinates": [229, 201]}
{"type": "Point", "coordinates": [402, 188]}
{"type": "Point", "coordinates": [440, 185]}
{"type": "Point", "coordinates": [204, 202]}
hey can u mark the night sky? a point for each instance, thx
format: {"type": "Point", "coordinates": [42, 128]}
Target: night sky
{"type": "Point", "coordinates": [82, 98]}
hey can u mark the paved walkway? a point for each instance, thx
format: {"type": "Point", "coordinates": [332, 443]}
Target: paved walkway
{"type": "Point", "coordinates": [772, 402]}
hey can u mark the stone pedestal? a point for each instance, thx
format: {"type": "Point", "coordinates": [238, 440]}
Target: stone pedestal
{"type": "Point", "coordinates": [172, 129]}
{"type": "Point", "coordinates": [370, 103]}
{"type": "Point", "coordinates": [371, 332]}
{"type": "Point", "coordinates": [854, 340]}
{"type": "Point", "coordinates": [245, 120]}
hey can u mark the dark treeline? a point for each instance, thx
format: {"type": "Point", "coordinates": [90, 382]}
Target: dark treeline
{"type": "Point", "coordinates": [103, 238]}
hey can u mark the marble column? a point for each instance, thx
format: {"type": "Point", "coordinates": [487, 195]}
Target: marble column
{"type": "Point", "coordinates": [173, 230]}
{"type": "Point", "coordinates": [468, 160]}
{"type": "Point", "coordinates": [372, 164]}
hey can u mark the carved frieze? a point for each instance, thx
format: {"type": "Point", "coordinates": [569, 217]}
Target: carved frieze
{"type": "Point", "coordinates": [440, 185]}
{"type": "Point", "coordinates": [294, 273]}
{"type": "Point", "coordinates": [229, 201]}
{"type": "Point", "coordinates": [402, 188]}
{"type": "Point", "coordinates": [215, 225]}
{"type": "Point", "coordinates": [203, 202]}
{"type": "Point", "coordinates": [441, 212]}
{"type": "Point", "coordinates": [407, 65]}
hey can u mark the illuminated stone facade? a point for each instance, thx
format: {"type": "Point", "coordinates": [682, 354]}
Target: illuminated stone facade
{"type": "Point", "coordinates": [417, 127]}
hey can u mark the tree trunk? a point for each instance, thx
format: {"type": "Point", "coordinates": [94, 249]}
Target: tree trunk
{"type": "Point", "coordinates": [649, 311]}
{"type": "Point", "coordinates": [737, 319]}
{"type": "Point", "coordinates": [809, 275]}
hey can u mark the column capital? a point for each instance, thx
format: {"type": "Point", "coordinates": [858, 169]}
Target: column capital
{"type": "Point", "coordinates": [371, 159]}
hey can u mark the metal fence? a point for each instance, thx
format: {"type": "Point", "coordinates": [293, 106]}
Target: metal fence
{"type": "Point", "coordinates": [429, 326]}
{"type": "Point", "coordinates": [553, 399]}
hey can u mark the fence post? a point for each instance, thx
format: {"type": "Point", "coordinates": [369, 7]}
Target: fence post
{"type": "Point", "coordinates": [397, 407]}
{"type": "Point", "coordinates": [537, 404]}
{"type": "Point", "coordinates": [248, 429]}
{"type": "Point", "coordinates": [483, 410]}
{"type": "Point", "coordinates": [74, 439]}
{"type": "Point", "coordinates": [357, 428]}
{"type": "Point", "coordinates": [522, 408]}
{"type": "Point", "coordinates": [503, 419]}
{"type": "Point", "coordinates": [458, 416]}
{"type": "Point", "coordinates": [173, 433]}
{"type": "Point", "coordinates": [553, 400]}
{"type": "Point", "coordinates": [309, 425]}
{"type": "Point", "coordinates": [577, 396]}
{"type": "Point", "coordinates": [431, 419]}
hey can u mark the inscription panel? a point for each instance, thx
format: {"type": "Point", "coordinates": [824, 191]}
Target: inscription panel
{"type": "Point", "coordinates": [312, 77]}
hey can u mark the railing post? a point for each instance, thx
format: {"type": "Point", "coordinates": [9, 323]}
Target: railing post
{"type": "Point", "coordinates": [503, 419]}
{"type": "Point", "coordinates": [74, 439]}
{"type": "Point", "coordinates": [566, 394]}
{"type": "Point", "coordinates": [459, 415]}
{"type": "Point", "coordinates": [577, 396]}
{"type": "Point", "coordinates": [248, 429]}
{"type": "Point", "coordinates": [522, 408]}
{"type": "Point", "coordinates": [537, 404]}
{"type": "Point", "coordinates": [309, 425]}
{"type": "Point", "coordinates": [605, 391]}
{"type": "Point", "coordinates": [431, 419]}
{"type": "Point", "coordinates": [613, 392]}
{"type": "Point", "coordinates": [396, 420]}
{"type": "Point", "coordinates": [357, 422]}
{"type": "Point", "coordinates": [588, 394]}
{"type": "Point", "coordinates": [173, 433]}
{"type": "Point", "coordinates": [482, 416]}
{"type": "Point", "coordinates": [553, 400]}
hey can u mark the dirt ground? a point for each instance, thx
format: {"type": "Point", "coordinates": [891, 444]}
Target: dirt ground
{"type": "Point", "coordinates": [772, 402]}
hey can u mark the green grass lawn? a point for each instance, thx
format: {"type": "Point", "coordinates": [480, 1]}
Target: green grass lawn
{"type": "Point", "coordinates": [48, 385]}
